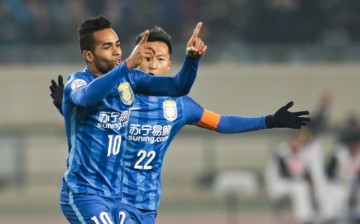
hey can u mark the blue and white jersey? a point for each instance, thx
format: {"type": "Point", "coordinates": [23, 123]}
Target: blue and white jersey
{"type": "Point", "coordinates": [95, 136]}
{"type": "Point", "coordinates": [96, 113]}
{"type": "Point", "coordinates": [153, 124]}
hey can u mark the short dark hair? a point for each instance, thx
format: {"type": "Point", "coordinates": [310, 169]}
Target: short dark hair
{"type": "Point", "coordinates": [157, 34]}
{"type": "Point", "coordinates": [87, 28]}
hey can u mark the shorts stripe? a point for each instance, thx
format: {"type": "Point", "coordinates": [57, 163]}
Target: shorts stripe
{"type": "Point", "coordinates": [76, 210]}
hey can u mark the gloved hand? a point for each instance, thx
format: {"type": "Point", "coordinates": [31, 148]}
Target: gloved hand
{"type": "Point", "coordinates": [57, 90]}
{"type": "Point", "coordinates": [286, 119]}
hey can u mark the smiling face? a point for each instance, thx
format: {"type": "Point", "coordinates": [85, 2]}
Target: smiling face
{"type": "Point", "coordinates": [106, 53]}
{"type": "Point", "coordinates": [160, 63]}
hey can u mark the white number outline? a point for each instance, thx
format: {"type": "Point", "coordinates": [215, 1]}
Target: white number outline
{"type": "Point", "coordinates": [114, 145]}
{"type": "Point", "coordinates": [144, 154]}
{"type": "Point", "coordinates": [104, 217]}
{"type": "Point", "coordinates": [122, 216]}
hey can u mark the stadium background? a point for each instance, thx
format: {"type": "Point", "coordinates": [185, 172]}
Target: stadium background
{"type": "Point", "coordinates": [262, 54]}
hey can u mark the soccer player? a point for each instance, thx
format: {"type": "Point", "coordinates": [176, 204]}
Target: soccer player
{"type": "Point", "coordinates": [95, 107]}
{"type": "Point", "coordinates": [154, 122]}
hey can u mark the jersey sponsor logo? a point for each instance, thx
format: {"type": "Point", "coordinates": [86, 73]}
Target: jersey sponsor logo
{"type": "Point", "coordinates": [170, 110]}
{"type": "Point", "coordinates": [126, 93]}
{"type": "Point", "coordinates": [113, 120]}
{"type": "Point", "coordinates": [78, 83]}
{"type": "Point", "coordinates": [149, 133]}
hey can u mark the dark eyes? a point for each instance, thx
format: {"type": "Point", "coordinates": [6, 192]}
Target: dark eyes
{"type": "Point", "coordinates": [108, 46]}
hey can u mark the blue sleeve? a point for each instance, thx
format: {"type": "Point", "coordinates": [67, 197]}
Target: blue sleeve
{"type": "Point", "coordinates": [192, 110]}
{"type": "Point", "coordinates": [227, 124]}
{"type": "Point", "coordinates": [99, 88]}
{"type": "Point", "coordinates": [178, 85]}
{"type": "Point", "coordinates": [235, 124]}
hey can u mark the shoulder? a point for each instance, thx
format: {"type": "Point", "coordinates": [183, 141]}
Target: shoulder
{"type": "Point", "coordinates": [188, 101]}
{"type": "Point", "coordinates": [77, 79]}
{"type": "Point", "coordinates": [192, 110]}
{"type": "Point", "coordinates": [79, 75]}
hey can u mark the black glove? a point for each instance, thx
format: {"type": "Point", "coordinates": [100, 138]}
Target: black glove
{"type": "Point", "coordinates": [286, 119]}
{"type": "Point", "coordinates": [57, 90]}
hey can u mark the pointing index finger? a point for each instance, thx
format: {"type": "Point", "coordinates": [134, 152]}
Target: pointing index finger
{"type": "Point", "coordinates": [197, 30]}
{"type": "Point", "coordinates": [145, 37]}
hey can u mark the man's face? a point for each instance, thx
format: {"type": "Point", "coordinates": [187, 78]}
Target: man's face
{"type": "Point", "coordinates": [160, 63]}
{"type": "Point", "coordinates": [295, 144]}
{"type": "Point", "coordinates": [107, 52]}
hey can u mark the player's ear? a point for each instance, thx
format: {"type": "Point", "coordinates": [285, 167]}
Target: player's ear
{"type": "Point", "coordinates": [169, 66]}
{"type": "Point", "coordinates": [88, 56]}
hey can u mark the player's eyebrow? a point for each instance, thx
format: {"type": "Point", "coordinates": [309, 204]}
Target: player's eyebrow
{"type": "Point", "coordinates": [110, 43]}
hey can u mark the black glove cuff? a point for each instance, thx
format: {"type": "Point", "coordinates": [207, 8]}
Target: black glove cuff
{"type": "Point", "coordinates": [269, 121]}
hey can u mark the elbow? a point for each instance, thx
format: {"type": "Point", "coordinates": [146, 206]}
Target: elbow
{"type": "Point", "coordinates": [184, 92]}
{"type": "Point", "coordinates": [84, 102]}
{"type": "Point", "coordinates": [221, 131]}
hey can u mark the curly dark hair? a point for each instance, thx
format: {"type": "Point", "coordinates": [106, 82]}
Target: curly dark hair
{"type": "Point", "coordinates": [87, 28]}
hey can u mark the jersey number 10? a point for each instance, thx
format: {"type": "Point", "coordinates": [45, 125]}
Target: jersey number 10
{"type": "Point", "coordinates": [114, 145]}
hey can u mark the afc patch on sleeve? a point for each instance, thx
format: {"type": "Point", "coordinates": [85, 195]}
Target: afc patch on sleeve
{"type": "Point", "coordinates": [78, 83]}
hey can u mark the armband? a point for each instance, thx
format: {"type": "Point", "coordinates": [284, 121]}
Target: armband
{"type": "Point", "coordinates": [209, 120]}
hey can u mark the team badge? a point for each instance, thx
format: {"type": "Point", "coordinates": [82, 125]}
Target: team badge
{"type": "Point", "coordinates": [170, 110]}
{"type": "Point", "coordinates": [126, 93]}
{"type": "Point", "coordinates": [77, 83]}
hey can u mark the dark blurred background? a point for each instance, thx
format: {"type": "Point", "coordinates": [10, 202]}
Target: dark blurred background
{"type": "Point", "coordinates": [322, 25]}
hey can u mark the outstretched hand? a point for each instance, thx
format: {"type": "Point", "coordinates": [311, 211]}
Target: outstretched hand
{"type": "Point", "coordinates": [283, 118]}
{"type": "Point", "coordinates": [57, 90]}
{"type": "Point", "coordinates": [141, 51]}
{"type": "Point", "coordinates": [196, 48]}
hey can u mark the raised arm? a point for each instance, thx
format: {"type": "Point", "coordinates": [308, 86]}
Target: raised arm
{"type": "Point", "coordinates": [85, 93]}
{"type": "Point", "coordinates": [181, 83]}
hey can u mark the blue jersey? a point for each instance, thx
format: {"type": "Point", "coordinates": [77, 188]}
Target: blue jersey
{"type": "Point", "coordinates": [153, 124]}
{"type": "Point", "coordinates": [96, 112]}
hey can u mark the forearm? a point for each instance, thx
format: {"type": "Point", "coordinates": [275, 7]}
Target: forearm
{"type": "Point", "coordinates": [178, 85]}
{"type": "Point", "coordinates": [236, 124]}
{"type": "Point", "coordinates": [186, 76]}
{"type": "Point", "coordinates": [99, 88]}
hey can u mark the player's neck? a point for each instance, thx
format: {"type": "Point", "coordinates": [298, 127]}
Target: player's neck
{"type": "Point", "coordinates": [96, 73]}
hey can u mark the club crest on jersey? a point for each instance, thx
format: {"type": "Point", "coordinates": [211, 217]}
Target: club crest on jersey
{"type": "Point", "coordinates": [170, 110]}
{"type": "Point", "coordinates": [126, 94]}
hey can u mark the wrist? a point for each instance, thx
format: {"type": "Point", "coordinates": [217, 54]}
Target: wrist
{"type": "Point", "coordinates": [128, 64]}
{"type": "Point", "coordinates": [190, 57]}
{"type": "Point", "coordinates": [269, 121]}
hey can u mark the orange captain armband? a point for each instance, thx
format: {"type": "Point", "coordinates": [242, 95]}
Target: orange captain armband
{"type": "Point", "coordinates": [209, 120]}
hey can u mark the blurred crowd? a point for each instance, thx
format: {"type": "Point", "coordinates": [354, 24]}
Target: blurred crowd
{"type": "Point", "coordinates": [320, 189]}
{"type": "Point", "coordinates": [251, 21]}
